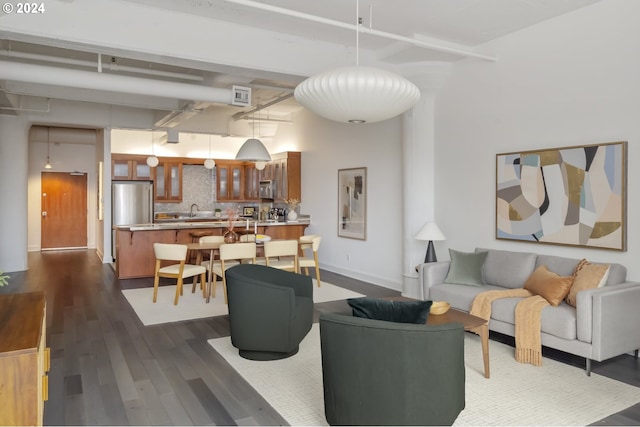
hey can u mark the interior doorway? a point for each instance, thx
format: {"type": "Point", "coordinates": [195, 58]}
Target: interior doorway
{"type": "Point", "coordinates": [64, 210]}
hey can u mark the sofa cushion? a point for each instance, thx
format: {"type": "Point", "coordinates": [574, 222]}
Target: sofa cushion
{"type": "Point", "coordinates": [459, 296]}
{"type": "Point", "coordinates": [391, 311]}
{"type": "Point", "coordinates": [549, 285]}
{"type": "Point", "coordinates": [506, 268]}
{"type": "Point", "coordinates": [466, 268]}
{"type": "Point", "coordinates": [567, 266]}
{"type": "Point", "coordinates": [559, 321]}
{"type": "Point", "coordinates": [587, 276]}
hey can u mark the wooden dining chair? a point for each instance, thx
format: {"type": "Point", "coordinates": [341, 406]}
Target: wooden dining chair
{"type": "Point", "coordinates": [230, 254]}
{"type": "Point", "coordinates": [282, 254]}
{"type": "Point", "coordinates": [179, 271]}
{"type": "Point", "coordinates": [207, 263]}
{"type": "Point", "coordinates": [310, 243]}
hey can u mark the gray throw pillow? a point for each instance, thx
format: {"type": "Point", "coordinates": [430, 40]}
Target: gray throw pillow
{"type": "Point", "coordinates": [390, 311]}
{"type": "Point", "coordinates": [466, 268]}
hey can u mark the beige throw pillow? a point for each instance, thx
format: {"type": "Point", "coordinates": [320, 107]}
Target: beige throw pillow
{"type": "Point", "coordinates": [587, 276]}
{"type": "Point", "coordinates": [549, 285]}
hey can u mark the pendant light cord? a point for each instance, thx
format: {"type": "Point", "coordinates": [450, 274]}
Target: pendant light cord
{"type": "Point", "coordinates": [358, 22]}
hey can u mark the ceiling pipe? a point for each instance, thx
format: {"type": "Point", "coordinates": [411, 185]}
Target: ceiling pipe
{"type": "Point", "coordinates": [244, 114]}
{"type": "Point", "coordinates": [30, 73]}
{"type": "Point", "coordinates": [30, 110]}
{"type": "Point", "coordinates": [100, 65]}
{"type": "Point", "coordinates": [364, 30]}
{"type": "Point", "coordinates": [263, 119]}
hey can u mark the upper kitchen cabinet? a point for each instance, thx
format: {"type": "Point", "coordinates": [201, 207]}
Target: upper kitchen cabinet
{"type": "Point", "coordinates": [251, 182]}
{"type": "Point", "coordinates": [230, 180]}
{"type": "Point", "coordinates": [168, 181]}
{"type": "Point", "coordinates": [284, 169]}
{"type": "Point", "coordinates": [130, 167]}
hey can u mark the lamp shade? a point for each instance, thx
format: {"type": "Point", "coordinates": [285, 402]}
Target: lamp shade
{"type": "Point", "coordinates": [430, 231]}
{"type": "Point", "coordinates": [253, 151]}
{"type": "Point", "coordinates": [357, 94]}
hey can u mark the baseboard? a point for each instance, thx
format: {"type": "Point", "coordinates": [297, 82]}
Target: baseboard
{"type": "Point", "coordinates": [385, 283]}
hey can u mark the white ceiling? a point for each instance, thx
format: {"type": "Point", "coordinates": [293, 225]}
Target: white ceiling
{"type": "Point", "coordinates": [461, 24]}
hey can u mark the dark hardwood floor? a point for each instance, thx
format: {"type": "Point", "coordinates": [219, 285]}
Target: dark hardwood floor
{"type": "Point", "coordinates": [109, 369]}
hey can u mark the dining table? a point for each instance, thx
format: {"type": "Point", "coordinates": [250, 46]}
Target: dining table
{"type": "Point", "coordinates": [199, 248]}
{"type": "Point", "coordinates": [212, 248]}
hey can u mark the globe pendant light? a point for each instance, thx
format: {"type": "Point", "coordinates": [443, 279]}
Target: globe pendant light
{"type": "Point", "coordinates": [357, 94]}
{"type": "Point", "coordinates": [152, 160]}
{"type": "Point", "coordinates": [253, 150]}
{"type": "Point", "coordinates": [48, 164]}
{"type": "Point", "coordinates": [209, 163]}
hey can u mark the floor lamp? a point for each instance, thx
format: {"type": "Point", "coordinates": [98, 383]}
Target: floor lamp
{"type": "Point", "coordinates": [430, 232]}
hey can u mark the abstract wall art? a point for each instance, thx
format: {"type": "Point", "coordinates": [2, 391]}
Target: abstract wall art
{"type": "Point", "coordinates": [566, 196]}
{"type": "Point", "coordinates": [352, 203]}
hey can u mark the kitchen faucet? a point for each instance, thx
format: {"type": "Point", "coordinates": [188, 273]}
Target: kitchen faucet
{"type": "Point", "coordinates": [191, 212]}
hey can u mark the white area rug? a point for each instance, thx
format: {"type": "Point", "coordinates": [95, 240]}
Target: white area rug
{"type": "Point", "coordinates": [193, 306]}
{"type": "Point", "coordinates": [516, 394]}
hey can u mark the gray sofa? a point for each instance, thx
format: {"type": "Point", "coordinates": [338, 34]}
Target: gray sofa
{"type": "Point", "coordinates": [605, 322]}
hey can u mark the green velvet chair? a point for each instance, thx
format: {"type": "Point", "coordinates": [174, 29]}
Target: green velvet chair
{"type": "Point", "coordinates": [270, 310]}
{"type": "Point", "coordinates": [386, 373]}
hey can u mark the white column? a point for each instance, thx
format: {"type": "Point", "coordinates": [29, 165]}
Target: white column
{"type": "Point", "coordinates": [14, 166]}
{"type": "Point", "coordinates": [418, 149]}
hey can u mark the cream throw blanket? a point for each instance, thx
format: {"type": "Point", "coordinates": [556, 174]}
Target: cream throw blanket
{"type": "Point", "coordinates": [527, 317]}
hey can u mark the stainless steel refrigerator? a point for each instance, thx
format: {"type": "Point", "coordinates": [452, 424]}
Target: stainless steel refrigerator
{"type": "Point", "coordinates": [131, 203]}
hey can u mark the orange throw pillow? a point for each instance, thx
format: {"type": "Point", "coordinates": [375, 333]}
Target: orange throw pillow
{"type": "Point", "coordinates": [549, 285]}
{"type": "Point", "coordinates": [587, 276]}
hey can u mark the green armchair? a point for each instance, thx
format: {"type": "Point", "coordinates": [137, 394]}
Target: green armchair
{"type": "Point", "coordinates": [270, 310]}
{"type": "Point", "coordinates": [386, 373]}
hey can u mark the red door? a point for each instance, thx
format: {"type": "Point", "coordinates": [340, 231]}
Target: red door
{"type": "Point", "coordinates": [64, 210]}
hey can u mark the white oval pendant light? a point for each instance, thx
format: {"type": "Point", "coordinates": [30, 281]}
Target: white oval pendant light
{"type": "Point", "coordinates": [357, 94]}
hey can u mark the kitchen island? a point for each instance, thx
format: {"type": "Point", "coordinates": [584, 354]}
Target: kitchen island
{"type": "Point", "coordinates": [134, 243]}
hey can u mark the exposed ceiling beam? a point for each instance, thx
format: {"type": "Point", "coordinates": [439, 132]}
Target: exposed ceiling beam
{"type": "Point", "coordinates": [362, 29]}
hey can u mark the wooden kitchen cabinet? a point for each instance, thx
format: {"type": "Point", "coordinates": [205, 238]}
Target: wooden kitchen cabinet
{"type": "Point", "coordinates": [285, 170]}
{"type": "Point", "coordinates": [168, 181]}
{"type": "Point", "coordinates": [251, 182]}
{"type": "Point", "coordinates": [24, 359]}
{"type": "Point", "coordinates": [134, 249]}
{"type": "Point", "coordinates": [230, 181]}
{"type": "Point", "coordinates": [127, 167]}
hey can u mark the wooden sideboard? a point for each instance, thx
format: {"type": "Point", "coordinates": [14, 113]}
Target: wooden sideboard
{"type": "Point", "coordinates": [24, 359]}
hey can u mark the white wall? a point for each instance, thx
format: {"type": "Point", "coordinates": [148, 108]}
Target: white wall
{"type": "Point", "coordinates": [570, 81]}
{"type": "Point", "coordinates": [13, 193]}
{"type": "Point", "coordinates": [64, 158]}
{"type": "Point", "coordinates": [328, 146]}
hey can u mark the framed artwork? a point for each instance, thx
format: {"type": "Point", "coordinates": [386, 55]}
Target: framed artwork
{"type": "Point", "coordinates": [352, 203]}
{"type": "Point", "coordinates": [574, 196]}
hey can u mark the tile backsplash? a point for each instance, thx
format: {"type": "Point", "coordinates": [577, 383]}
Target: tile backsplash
{"type": "Point", "coordinates": [199, 187]}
